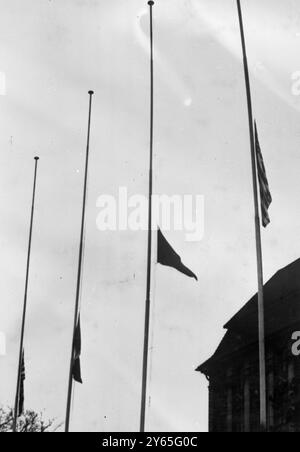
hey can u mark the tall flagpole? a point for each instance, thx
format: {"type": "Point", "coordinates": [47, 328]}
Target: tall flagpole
{"type": "Point", "coordinates": [261, 320]}
{"type": "Point", "coordinates": [25, 299]}
{"type": "Point", "coordinates": [148, 288]}
{"type": "Point", "coordinates": [70, 385]}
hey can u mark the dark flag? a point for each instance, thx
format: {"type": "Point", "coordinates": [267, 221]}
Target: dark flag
{"type": "Point", "coordinates": [168, 257]}
{"type": "Point", "coordinates": [76, 372]}
{"type": "Point", "coordinates": [265, 195]}
{"type": "Point", "coordinates": [21, 389]}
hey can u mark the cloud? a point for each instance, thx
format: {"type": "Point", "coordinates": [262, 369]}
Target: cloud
{"type": "Point", "coordinates": [273, 69]}
{"type": "Point", "coordinates": [163, 68]}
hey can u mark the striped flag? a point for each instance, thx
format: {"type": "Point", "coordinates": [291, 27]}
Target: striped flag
{"type": "Point", "coordinates": [21, 389]}
{"type": "Point", "coordinates": [265, 195]}
{"type": "Point", "coordinates": [76, 372]}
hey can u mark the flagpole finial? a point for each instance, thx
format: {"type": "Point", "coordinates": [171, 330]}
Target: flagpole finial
{"type": "Point", "coordinates": [151, 3]}
{"type": "Point", "coordinates": [36, 158]}
{"type": "Point", "coordinates": [91, 93]}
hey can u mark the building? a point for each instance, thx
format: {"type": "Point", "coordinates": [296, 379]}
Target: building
{"type": "Point", "coordinates": [233, 370]}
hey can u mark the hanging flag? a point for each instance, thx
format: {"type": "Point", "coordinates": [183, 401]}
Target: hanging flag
{"type": "Point", "coordinates": [265, 195]}
{"type": "Point", "coordinates": [76, 372]}
{"type": "Point", "coordinates": [21, 389]}
{"type": "Point", "coordinates": [168, 257]}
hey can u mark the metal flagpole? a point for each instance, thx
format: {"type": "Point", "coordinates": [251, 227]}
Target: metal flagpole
{"type": "Point", "coordinates": [148, 289]}
{"type": "Point", "coordinates": [70, 385]}
{"type": "Point", "coordinates": [261, 320]}
{"type": "Point", "coordinates": [25, 299]}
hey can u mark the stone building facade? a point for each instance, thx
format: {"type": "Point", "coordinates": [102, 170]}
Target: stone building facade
{"type": "Point", "coordinates": [233, 370]}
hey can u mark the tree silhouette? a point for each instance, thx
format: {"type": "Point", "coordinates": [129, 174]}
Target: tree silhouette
{"type": "Point", "coordinates": [29, 422]}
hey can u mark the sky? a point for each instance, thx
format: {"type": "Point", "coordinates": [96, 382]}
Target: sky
{"type": "Point", "coordinates": [51, 54]}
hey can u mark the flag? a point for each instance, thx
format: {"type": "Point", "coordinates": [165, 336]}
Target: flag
{"type": "Point", "coordinates": [168, 257]}
{"type": "Point", "coordinates": [265, 195]}
{"type": "Point", "coordinates": [76, 372]}
{"type": "Point", "coordinates": [21, 388]}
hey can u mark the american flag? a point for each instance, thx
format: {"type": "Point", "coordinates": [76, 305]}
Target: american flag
{"type": "Point", "coordinates": [21, 390]}
{"type": "Point", "coordinates": [265, 195]}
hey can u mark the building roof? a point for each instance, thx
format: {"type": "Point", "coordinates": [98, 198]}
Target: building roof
{"type": "Point", "coordinates": [282, 309]}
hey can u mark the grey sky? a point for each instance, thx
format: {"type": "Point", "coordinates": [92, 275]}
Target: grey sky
{"type": "Point", "coordinates": [52, 53]}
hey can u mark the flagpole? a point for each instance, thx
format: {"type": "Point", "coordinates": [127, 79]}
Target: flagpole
{"type": "Point", "coordinates": [70, 385]}
{"type": "Point", "coordinates": [25, 299]}
{"type": "Point", "coordinates": [261, 320]}
{"type": "Point", "coordinates": [148, 288]}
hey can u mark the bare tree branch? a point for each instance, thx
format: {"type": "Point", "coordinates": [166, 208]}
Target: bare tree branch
{"type": "Point", "coordinates": [29, 422]}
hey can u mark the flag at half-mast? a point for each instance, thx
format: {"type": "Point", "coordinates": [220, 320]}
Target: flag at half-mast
{"type": "Point", "coordinates": [76, 371]}
{"type": "Point", "coordinates": [168, 257]}
{"type": "Point", "coordinates": [21, 388]}
{"type": "Point", "coordinates": [265, 195]}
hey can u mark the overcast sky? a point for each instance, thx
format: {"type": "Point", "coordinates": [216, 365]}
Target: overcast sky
{"type": "Point", "coordinates": [51, 54]}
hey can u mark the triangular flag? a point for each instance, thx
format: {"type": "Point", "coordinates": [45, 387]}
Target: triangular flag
{"type": "Point", "coordinates": [168, 257]}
